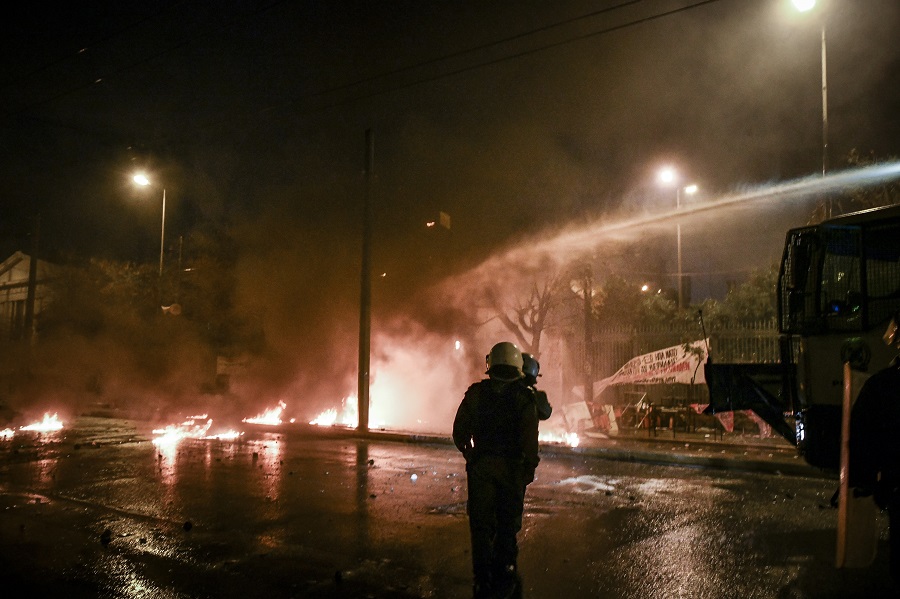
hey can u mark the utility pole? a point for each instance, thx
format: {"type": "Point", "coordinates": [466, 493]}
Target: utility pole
{"type": "Point", "coordinates": [824, 103]}
{"type": "Point", "coordinates": [365, 294]}
{"type": "Point", "coordinates": [32, 281]}
{"type": "Point", "coordinates": [588, 339]}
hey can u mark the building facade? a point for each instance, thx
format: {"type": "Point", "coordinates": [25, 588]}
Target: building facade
{"type": "Point", "coordinates": [15, 273]}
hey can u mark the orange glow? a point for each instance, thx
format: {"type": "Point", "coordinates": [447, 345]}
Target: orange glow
{"type": "Point", "coordinates": [413, 383]}
{"type": "Point", "coordinates": [7, 433]}
{"type": "Point", "coordinates": [271, 417]}
{"type": "Point", "coordinates": [47, 425]}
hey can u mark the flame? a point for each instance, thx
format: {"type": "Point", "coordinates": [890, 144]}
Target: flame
{"type": "Point", "coordinates": [271, 417]}
{"type": "Point", "coordinates": [326, 418]}
{"type": "Point", "coordinates": [7, 433]}
{"type": "Point", "coordinates": [570, 439]}
{"type": "Point", "coordinates": [190, 429]}
{"type": "Point", "coordinates": [47, 425]}
{"type": "Point", "coordinates": [349, 415]}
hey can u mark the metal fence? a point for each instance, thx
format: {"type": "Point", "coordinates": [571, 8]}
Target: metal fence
{"type": "Point", "coordinates": [611, 348]}
{"type": "Point", "coordinates": [753, 343]}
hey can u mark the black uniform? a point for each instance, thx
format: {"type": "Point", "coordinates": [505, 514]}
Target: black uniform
{"type": "Point", "coordinates": [875, 449]}
{"type": "Point", "coordinates": [542, 403]}
{"type": "Point", "coordinates": [496, 429]}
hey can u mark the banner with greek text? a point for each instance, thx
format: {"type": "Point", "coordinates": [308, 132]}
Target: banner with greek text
{"type": "Point", "coordinates": [678, 364]}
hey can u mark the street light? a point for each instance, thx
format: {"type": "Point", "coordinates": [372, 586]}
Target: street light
{"type": "Point", "coordinates": [668, 176]}
{"type": "Point", "coordinates": [806, 6]}
{"type": "Point", "coordinates": [142, 180]}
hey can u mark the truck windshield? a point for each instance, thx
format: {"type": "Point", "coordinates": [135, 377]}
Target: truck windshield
{"type": "Point", "coordinates": [839, 278]}
{"type": "Point", "coordinates": [840, 284]}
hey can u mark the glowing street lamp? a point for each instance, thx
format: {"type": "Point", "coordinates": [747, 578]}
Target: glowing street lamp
{"type": "Point", "coordinates": [667, 177]}
{"type": "Point", "coordinates": [806, 6]}
{"type": "Point", "coordinates": [142, 180]}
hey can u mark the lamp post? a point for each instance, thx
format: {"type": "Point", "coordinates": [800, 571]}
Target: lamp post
{"type": "Point", "coordinates": [142, 180]}
{"type": "Point", "coordinates": [806, 6]}
{"type": "Point", "coordinates": [668, 176]}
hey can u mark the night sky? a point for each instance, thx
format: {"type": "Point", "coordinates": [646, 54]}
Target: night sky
{"type": "Point", "coordinates": [509, 116]}
{"type": "Point", "coordinates": [513, 117]}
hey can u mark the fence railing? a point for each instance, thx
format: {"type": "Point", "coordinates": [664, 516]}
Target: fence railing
{"type": "Point", "coordinates": [755, 343]}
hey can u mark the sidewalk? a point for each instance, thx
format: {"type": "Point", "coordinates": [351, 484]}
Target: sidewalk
{"type": "Point", "coordinates": [773, 455]}
{"type": "Point", "coordinates": [729, 451]}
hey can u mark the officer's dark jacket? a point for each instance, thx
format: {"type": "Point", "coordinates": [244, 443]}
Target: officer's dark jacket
{"type": "Point", "coordinates": [875, 431]}
{"type": "Point", "coordinates": [498, 418]}
{"type": "Point", "coordinates": [544, 409]}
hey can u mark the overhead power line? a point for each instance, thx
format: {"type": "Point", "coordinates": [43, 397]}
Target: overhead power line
{"type": "Point", "coordinates": [471, 67]}
{"type": "Point", "coordinates": [384, 75]}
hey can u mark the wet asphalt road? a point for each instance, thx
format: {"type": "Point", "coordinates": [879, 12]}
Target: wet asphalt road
{"type": "Point", "coordinates": [100, 511]}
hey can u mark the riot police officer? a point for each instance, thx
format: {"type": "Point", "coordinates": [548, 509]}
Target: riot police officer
{"type": "Point", "coordinates": [496, 429]}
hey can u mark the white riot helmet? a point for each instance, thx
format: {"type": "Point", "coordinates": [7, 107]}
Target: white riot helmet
{"type": "Point", "coordinates": [504, 363]}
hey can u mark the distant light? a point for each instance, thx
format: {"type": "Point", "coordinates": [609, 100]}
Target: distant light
{"type": "Point", "coordinates": [645, 287]}
{"type": "Point", "coordinates": [667, 175]}
{"type": "Point", "coordinates": [430, 224]}
{"type": "Point", "coordinates": [691, 189]}
{"type": "Point", "coordinates": [383, 275]}
{"type": "Point", "coordinates": [141, 179]}
{"type": "Point", "coordinates": [804, 5]}
{"type": "Point", "coordinates": [457, 345]}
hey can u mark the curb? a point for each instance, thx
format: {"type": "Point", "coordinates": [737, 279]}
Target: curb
{"type": "Point", "coordinates": [633, 453]}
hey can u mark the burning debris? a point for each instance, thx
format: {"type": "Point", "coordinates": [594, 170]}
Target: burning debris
{"type": "Point", "coordinates": [49, 424]}
{"type": "Point", "coordinates": [559, 438]}
{"type": "Point", "coordinates": [270, 417]}
{"type": "Point", "coordinates": [191, 429]}
{"type": "Point", "coordinates": [198, 427]}
{"type": "Point", "coordinates": [348, 415]}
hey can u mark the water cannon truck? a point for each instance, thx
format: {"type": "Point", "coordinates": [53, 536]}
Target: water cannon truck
{"type": "Point", "coordinates": [838, 285]}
